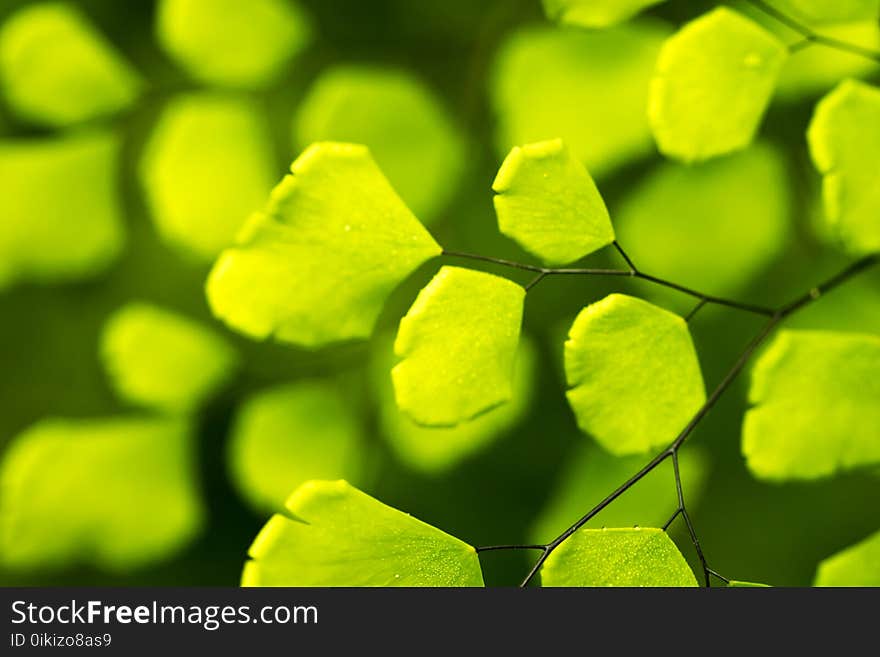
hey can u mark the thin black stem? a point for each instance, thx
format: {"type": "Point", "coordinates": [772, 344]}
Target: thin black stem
{"type": "Point", "coordinates": [494, 261]}
{"type": "Point", "coordinates": [810, 36]}
{"type": "Point", "coordinates": [491, 548]}
{"type": "Point", "coordinates": [687, 519]}
{"type": "Point", "coordinates": [625, 257]}
{"type": "Point", "coordinates": [695, 310]}
{"type": "Point", "coordinates": [671, 519]}
{"type": "Point", "coordinates": [715, 573]}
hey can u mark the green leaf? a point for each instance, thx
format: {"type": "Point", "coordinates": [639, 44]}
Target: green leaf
{"type": "Point", "coordinates": [316, 265]}
{"type": "Point", "coordinates": [60, 207]}
{"type": "Point", "coordinates": [114, 493]}
{"type": "Point", "coordinates": [289, 434]}
{"type": "Point", "coordinates": [589, 88]}
{"type": "Point", "coordinates": [339, 536]}
{"type": "Point", "coordinates": [162, 360]}
{"type": "Point", "coordinates": [590, 473]}
{"type": "Point", "coordinates": [549, 204]}
{"type": "Point", "coordinates": [815, 405]}
{"type": "Point", "coordinates": [232, 43]}
{"type": "Point", "coordinates": [736, 584]}
{"type": "Point", "coordinates": [633, 375]}
{"type": "Point", "coordinates": [844, 139]}
{"type": "Point", "coordinates": [56, 69]}
{"type": "Point", "coordinates": [595, 13]}
{"type": "Point", "coordinates": [617, 557]}
{"type": "Point", "coordinates": [402, 122]}
{"type": "Point", "coordinates": [674, 226]}
{"type": "Point", "coordinates": [208, 165]}
{"type": "Point", "coordinates": [713, 82]}
{"type": "Point", "coordinates": [857, 565]}
{"type": "Point", "coordinates": [433, 450]}
{"type": "Point", "coordinates": [829, 11]}
{"type": "Point", "coordinates": [457, 346]}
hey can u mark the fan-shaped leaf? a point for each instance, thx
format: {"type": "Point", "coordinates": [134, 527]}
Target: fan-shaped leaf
{"type": "Point", "coordinates": [713, 81]}
{"type": "Point", "coordinates": [159, 359]}
{"type": "Point", "coordinates": [830, 11]}
{"type": "Point", "coordinates": [595, 13]}
{"type": "Point", "coordinates": [399, 119]}
{"type": "Point", "coordinates": [57, 70]}
{"type": "Point", "coordinates": [549, 204]}
{"type": "Point", "coordinates": [458, 345]}
{"type": "Point", "coordinates": [208, 165]}
{"type": "Point", "coordinates": [287, 435]}
{"type": "Point", "coordinates": [617, 557]}
{"type": "Point", "coordinates": [816, 412]}
{"type": "Point", "coordinates": [844, 138]}
{"type": "Point", "coordinates": [633, 375]}
{"type": "Point", "coordinates": [112, 493]}
{"type": "Point", "coordinates": [857, 565]}
{"type": "Point", "coordinates": [317, 264]}
{"type": "Point", "coordinates": [339, 536]}
{"type": "Point", "coordinates": [232, 43]}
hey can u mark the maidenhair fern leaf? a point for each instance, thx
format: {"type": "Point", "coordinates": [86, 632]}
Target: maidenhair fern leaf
{"type": "Point", "coordinates": [844, 138]}
{"type": "Point", "coordinates": [713, 82]}
{"type": "Point", "coordinates": [60, 207]}
{"type": "Point", "coordinates": [633, 375]}
{"type": "Point", "coordinates": [338, 536]}
{"type": "Point", "coordinates": [208, 165]}
{"type": "Point", "coordinates": [595, 13]}
{"type": "Point", "coordinates": [830, 11]}
{"type": "Point", "coordinates": [549, 204]}
{"type": "Point", "coordinates": [162, 360]}
{"type": "Point", "coordinates": [815, 405]}
{"type": "Point", "coordinates": [232, 43]}
{"type": "Point", "coordinates": [617, 557]}
{"type": "Point", "coordinates": [112, 493]}
{"type": "Point", "coordinates": [738, 584]}
{"type": "Point", "coordinates": [289, 434]}
{"type": "Point", "coordinates": [857, 565]}
{"type": "Point", "coordinates": [457, 346]}
{"type": "Point", "coordinates": [316, 265]}
{"type": "Point", "coordinates": [402, 122]}
{"type": "Point", "coordinates": [57, 69]}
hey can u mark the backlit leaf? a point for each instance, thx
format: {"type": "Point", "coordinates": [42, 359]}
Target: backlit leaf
{"type": "Point", "coordinates": [162, 360]}
{"type": "Point", "coordinates": [113, 493]}
{"type": "Point", "coordinates": [617, 557]}
{"type": "Point", "coordinates": [549, 204]}
{"type": "Point", "coordinates": [713, 82]}
{"type": "Point", "coordinates": [338, 536]}
{"type": "Point", "coordinates": [232, 43]}
{"type": "Point", "coordinates": [316, 265]}
{"type": "Point", "coordinates": [595, 13]}
{"type": "Point", "coordinates": [57, 69]}
{"type": "Point", "coordinates": [401, 121]}
{"type": "Point", "coordinates": [844, 139]}
{"type": "Point", "coordinates": [633, 375]}
{"type": "Point", "coordinates": [457, 346]}
{"type": "Point", "coordinates": [830, 11]}
{"type": "Point", "coordinates": [737, 584]}
{"type": "Point", "coordinates": [61, 215]}
{"type": "Point", "coordinates": [289, 434]}
{"type": "Point", "coordinates": [815, 405]}
{"type": "Point", "coordinates": [208, 165]}
{"type": "Point", "coordinates": [857, 565]}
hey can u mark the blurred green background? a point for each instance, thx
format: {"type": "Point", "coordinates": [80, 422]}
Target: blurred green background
{"type": "Point", "coordinates": [467, 79]}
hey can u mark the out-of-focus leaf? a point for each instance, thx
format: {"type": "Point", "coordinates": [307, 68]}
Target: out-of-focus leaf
{"type": "Point", "coordinates": [60, 207]}
{"type": "Point", "coordinates": [56, 69]}
{"type": "Point", "coordinates": [549, 204]}
{"type": "Point", "coordinates": [289, 434]}
{"type": "Point", "coordinates": [844, 139]}
{"type": "Point", "coordinates": [232, 43]}
{"type": "Point", "coordinates": [815, 405]}
{"type": "Point", "coordinates": [633, 374]}
{"type": "Point", "coordinates": [457, 346]}
{"type": "Point", "coordinates": [438, 449]}
{"type": "Point", "coordinates": [589, 88]}
{"type": "Point", "coordinates": [401, 121]}
{"type": "Point", "coordinates": [339, 536]}
{"type": "Point", "coordinates": [617, 557]}
{"type": "Point", "coordinates": [712, 226]}
{"type": "Point", "coordinates": [316, 265]}
{"type": "Point", "coordinates": [209, 164]}
{"type": "Point", "coordinates": [162, 360]}
{"type": "Point", "coordinates": [829, 11]}
{"type": "Point", "coordinates": [857, 565]}
{"type": "Point", "coordinates": [591, 473]}
{"type": "Point", "coordinates": [112, 493]}
{"type": "Point", "coordinates": [595, 13]}
{"type": "Point", "coordinates": [713, 82]}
